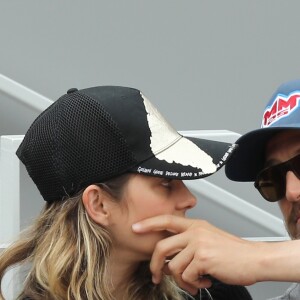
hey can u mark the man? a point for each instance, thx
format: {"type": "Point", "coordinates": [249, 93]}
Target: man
{"type": "Point", "coordinates": [269, 156]}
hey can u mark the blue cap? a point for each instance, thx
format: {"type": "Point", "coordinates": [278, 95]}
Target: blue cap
{"type": "Point", "coordinates": [281, 112]}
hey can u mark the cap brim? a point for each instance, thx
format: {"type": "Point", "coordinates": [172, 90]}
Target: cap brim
{"type": "Point", "coordinates": [248, 159]}
{"type": "Point", "coordinates": [188, 158]}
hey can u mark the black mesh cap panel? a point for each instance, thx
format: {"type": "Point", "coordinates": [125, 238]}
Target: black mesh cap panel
{"type": "Point", "coordinates": [72, 150]}
{"type": "Point", "coordinates": [38, 151]}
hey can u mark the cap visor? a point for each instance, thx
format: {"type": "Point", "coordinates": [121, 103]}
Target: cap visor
{"type": "Point", "coordinates": [248, 159]}
{"type": "Point", "coordinates": [188, 158]}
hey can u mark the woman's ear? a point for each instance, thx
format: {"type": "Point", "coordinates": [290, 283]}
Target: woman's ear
{"type": "Point", "coordinates": [95, 201]}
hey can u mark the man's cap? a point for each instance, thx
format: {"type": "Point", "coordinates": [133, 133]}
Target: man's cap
{"type": "Point", "coordinates": [282, 112]}
{"type": "Point", "coordinates": [92, 135]}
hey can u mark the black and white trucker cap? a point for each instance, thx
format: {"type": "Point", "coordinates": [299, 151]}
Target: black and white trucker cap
{"type": "Point", "coordinates": [92, 135]}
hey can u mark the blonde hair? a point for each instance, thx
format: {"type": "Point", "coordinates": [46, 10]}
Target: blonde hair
{"type": "Point", "coordinates": [68, 255]}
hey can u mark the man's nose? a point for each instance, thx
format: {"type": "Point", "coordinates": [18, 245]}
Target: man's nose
{"type": "Point", "coordinates": [292, 192]}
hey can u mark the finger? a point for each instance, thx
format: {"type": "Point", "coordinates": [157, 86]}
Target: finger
{"type": "Point", "coordinates": [178, 279]}
{"type": "Point", "coordinates": [186, 271]}
{"type": "Point", "coordinates": [163, 250]}
{"type": "Point", "coordinates": [178, 264]}
{"type": "Point", "coordinates": [177, 224]}
{"type": "Point", "coordinates": [170, 223]}
{"type": "Point", "coordinates": [187, 243]}
{"type": "Point", "coordinates": [194, 274]}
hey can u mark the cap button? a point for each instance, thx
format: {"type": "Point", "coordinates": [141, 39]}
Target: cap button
{"type": "Point", "coordinates": [72, 90]}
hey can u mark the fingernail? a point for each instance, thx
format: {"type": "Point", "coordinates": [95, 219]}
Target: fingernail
{"type": "Point", "coordinates": [154, 280]}
{"type": "Point", "coordinates": [136, 227]}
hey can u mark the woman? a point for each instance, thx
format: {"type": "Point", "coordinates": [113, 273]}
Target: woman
{"type": "Point", "coordinates": [104, 158]}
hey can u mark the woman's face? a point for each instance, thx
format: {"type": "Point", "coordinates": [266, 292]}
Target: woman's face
{"type": "Point", "coordinates": [144, 197]}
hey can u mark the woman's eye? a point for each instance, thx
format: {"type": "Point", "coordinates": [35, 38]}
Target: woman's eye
{"type": "Point", "coordinates": [167, 183]}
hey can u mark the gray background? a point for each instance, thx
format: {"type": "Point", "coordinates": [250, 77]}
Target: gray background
{"type": "Point", "coordinates": [205, 64]}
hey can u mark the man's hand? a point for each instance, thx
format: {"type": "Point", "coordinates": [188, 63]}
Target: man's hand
{"type": "Point", "coordinates": [198, 249]}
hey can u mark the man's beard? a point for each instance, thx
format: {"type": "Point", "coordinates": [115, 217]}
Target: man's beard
{"type": "Point", "coordinates": [292, 226]}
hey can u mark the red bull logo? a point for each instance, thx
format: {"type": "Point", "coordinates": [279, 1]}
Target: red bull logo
{"type": "Point", "coordinates": [280, 108]}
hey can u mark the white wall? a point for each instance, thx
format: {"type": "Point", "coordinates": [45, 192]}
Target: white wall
{"type": "Point", "coordinates": [207, 64]}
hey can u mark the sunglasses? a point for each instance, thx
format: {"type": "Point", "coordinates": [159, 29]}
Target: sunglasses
{"type": "Point", "coordinates": [271, 181]}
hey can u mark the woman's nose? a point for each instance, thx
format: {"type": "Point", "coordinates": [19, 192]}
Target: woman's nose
{"type": "Point", "coordinates": [186, 200]}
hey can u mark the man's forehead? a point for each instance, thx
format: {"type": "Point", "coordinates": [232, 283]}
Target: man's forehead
{"type": "Point", "coordinates": [286, 142]}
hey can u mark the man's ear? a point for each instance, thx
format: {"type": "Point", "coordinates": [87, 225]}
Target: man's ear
{"type": "Point", "coordinates": [95, 201]}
